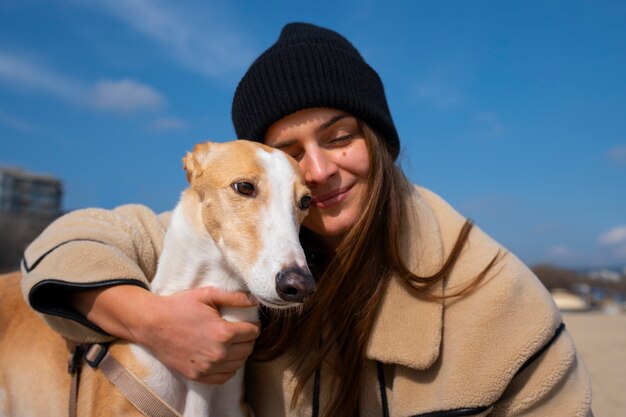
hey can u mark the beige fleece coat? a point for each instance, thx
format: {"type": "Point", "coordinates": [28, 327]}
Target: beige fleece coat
{"type": "Point", "coordinates": [501, 351]}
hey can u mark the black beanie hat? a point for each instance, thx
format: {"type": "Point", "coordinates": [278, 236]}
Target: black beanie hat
{"type": "Point", "coordinates": [310, 66]}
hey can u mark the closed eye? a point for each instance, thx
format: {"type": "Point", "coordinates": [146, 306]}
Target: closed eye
{"type": "Point", "coordinates": [296, 155]}
{"type": "Point", "coordinates": [342, 139]}
{"type": "Point", "coordinates": [293, 151]}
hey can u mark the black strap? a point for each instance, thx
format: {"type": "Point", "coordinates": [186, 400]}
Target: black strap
{"type": "Point", "coordinates": [381, 383]}
{"type": "Point", "coordinates": [316, 394]}
{"type": "Point", "coordinates": [383, 388]}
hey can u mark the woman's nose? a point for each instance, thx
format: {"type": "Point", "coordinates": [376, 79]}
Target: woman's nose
{"type": "Point", "coordinates": [317, 167]}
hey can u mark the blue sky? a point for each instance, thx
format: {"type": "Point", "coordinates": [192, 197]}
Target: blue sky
{"type": "Point", "coordinates": [515, 112]}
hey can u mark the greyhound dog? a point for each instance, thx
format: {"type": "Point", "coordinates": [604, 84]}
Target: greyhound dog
{"type": "Point", "coordinates": [235, 228]}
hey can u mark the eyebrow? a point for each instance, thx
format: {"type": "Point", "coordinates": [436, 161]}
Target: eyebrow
{"type": "Point", "coordinates": [328, 123]}
{"type": "Point", "coordinates": [284, 144]}
{"type": "Point", "coordinates": [331, 121]}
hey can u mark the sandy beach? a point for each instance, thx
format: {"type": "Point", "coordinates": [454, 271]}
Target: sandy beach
{"type": "Point", "coordinates": [601, 340]}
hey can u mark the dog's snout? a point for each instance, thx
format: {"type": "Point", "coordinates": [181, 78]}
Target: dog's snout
{"type": "Point", "coordinates": [295, 285]}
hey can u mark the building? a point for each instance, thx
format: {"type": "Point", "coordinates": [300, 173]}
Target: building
{"type": "Point", "coordinates": [27, 193]}
{"type": "Point", "coordinates": [568, 301]}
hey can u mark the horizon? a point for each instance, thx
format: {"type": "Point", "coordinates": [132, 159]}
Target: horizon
{"type": "Point", "coordinates": [513, 113]}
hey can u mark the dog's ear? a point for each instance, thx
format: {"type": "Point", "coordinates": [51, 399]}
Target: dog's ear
{"type": "Point", "coordinates": [193, 161]}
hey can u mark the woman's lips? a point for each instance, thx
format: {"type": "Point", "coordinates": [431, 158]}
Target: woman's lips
{"type": "Point", "coordinates": [332, 198]}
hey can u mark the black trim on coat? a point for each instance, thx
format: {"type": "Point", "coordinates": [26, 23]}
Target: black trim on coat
{"type": "Point", "coordinates": [540, 352]}
{"type": "Point", "coordinates": [49, 251]}
{"type": "Point", "coordinates": [457, 412]}
{"type": "Point", "coordinates": [49, 297]}
{"type": "Point", "coordinates": [460, 412]}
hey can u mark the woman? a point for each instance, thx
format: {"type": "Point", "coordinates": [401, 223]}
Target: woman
{"type": "Point", "coordinates": [417, 312]}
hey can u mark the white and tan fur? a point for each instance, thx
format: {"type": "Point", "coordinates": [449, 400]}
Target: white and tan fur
{"type": "Point", "coordinates": [219, 235]}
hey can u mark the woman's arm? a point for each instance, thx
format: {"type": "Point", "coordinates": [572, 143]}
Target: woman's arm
{"type": "Point", "coordinates": [89, 272]}
{"type": "Point", "coordinates": [185, 331]}
{"type": "Point", "coordinates": [555, 383]}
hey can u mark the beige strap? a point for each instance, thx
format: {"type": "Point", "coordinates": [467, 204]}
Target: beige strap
{"type": "Point", "coordinates": [73, 395]}
{"type": "Point", "coordinates": [133, 388]}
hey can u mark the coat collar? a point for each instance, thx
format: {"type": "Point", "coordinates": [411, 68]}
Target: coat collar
{"type": "Point", "coordinates": [407, 330]}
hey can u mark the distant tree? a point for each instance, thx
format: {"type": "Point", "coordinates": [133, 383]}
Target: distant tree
{"type": "Point", "coordinates": [555, 277]}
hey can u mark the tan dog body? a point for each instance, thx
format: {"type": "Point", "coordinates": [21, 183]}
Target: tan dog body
{"type": "Point", "coordinates": [235, 228]}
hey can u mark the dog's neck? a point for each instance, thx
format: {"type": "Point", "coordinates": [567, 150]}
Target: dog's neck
{"type": "Point", "coordinates": [191, 258]}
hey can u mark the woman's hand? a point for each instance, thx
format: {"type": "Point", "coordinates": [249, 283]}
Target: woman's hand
{"type": "Point", "coordinates": [187, 334]}
{"type": "Point", "coordinates": [184, 331]}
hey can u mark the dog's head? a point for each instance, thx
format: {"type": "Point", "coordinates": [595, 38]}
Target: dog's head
{"type": "Point", "coordinates": [252, 200]}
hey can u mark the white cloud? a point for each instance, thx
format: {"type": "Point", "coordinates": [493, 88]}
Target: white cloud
{"type": "Point", "coordinates": [618, 154]}
{"type": "Point", "coordinates": [26, 73]}
{"type": "Point", "coordinates": [210, 44]}
{"type": "Point", "coordinates": [614, 236]}
{"type": "Point", "coordinates": [119, 95]}
{"type": "Point", "coordinates": [168, 123]}
{"type": "Point", "coordinates": [125, 96]}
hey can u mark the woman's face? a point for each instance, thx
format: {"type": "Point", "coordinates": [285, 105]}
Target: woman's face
{"type": "Point", "coordinates": [332, 154]}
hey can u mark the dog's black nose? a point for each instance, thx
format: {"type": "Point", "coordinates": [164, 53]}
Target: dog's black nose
{"type": "Point", "coordinates": [294, 285]}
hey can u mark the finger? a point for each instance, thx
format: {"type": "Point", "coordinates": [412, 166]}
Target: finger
{"type": "Point", "coordinates": [216, 378]}
{"type": "Point", "coordinates": [226, 367]}
{"type": "Point", "coordinates": [215, 296]}
{"type": "Point", "coordinates": [243, 331]}
{"type": "Point", "coordinates": [239, 351]}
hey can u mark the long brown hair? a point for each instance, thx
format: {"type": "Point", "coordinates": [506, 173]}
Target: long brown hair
{"type": "Point", "coordinates": [339, 316]}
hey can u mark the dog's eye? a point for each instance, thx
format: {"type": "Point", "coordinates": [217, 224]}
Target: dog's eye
{"type": "Point", "coordinates": [244, 188]}
{"type": "Point", "coordinates": [305, 202]}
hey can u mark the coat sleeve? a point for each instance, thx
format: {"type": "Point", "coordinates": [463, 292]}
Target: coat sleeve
{"type": "Point", "coordinates": [553, 382]}
{"type": "Point", "coordinates": [89, 249]}
{"type": "Point", "coordinates": [521, 350]}
{"type": "Point", "coordinates": [507, 336]}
